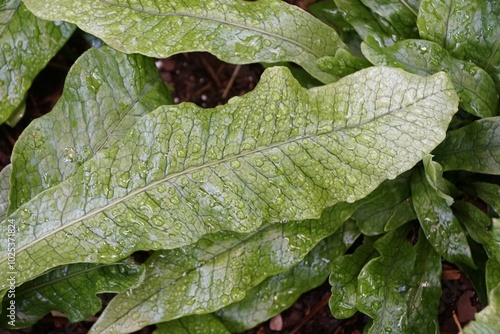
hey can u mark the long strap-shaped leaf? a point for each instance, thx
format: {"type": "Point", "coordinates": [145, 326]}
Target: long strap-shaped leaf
{"type": "Point", "coordinates": [280, 152]}
{"type": "Point", "coordinates": [234, 31]}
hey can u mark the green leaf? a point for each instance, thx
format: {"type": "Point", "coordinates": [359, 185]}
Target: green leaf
{"type": "Point", "coordinates": [27, 43]}
{"type": "Point", "coordinates": [482, 228]}
{"type": "Point", "coordinates": [487, 320]}
{"type": "Point", "coordinates": [474, 148]}
{"type": "Point", "coordinates": [470, 30]}
{"type": "Point", "coordinates": [280, 152]}
{"type": "Point", "coordinates": [4, 190]}
{"type": "Point", "coordinates": [234, 31]}
{"type": "Point", "coordinates": [279, 292]}
{"type": "Point", "coordinates": [424, 290]}
{"type": "Point", "coordinates": [383, 281]}
{"type": "Point", "coordinates": [218, 270]}
{"type": "Point", "coordinates": [106, 93]}
{"type": "Point", "coordinates": [327, 12]}
{"type": "Point", "coordinates": [194, 324]}
{"type": "Point", "coordinates": [488, 192]}
{"type": "Point", "coordinates": [367, 23]}
{"type": "Point", "coordinates": [474, 86]}
{"type": "Point", "coordinates": [386, 208]}
{"type": "Point", "coordinates": [492, 274]}
{"type": "Point", "coordinates": [344, 280]}
{"type": "Point", "coordinates": [402, 14]}
{"type": "Point", "coordinates": [440, 226]}
{"type": "Point", "coordinates": [434, 175]}
{"type": "Point", "coordinates": [71, 290]}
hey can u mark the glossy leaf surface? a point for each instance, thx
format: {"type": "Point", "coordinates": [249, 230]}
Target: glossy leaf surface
{"type": "Point", "coordinates": [218, 270]}
{"type": "Point", "coordinates": [402, 14]}
{"type": "Point", "coordinates": [27, 43]}
{"type": "Point", "coordinates": [194, 324]}
{"type": "Point", "coordinates": [71, 290]}
{"type": "Point", "coordinates": [440, 226]}
{"type": "Point", "coordinates": [473, 148]}
{"type": "Point", "coordinates": [234, 31]}
{"type": "Point", "coordinates": [280, 152]}
{"type": "Point", "coordinates": [474, 86]}
{"type": "Point", "coordinates": [470, 30]}
{"type": "Point", "coordinates": [275, 294]}
{"type": "Point", "coordinates": [106, 93]}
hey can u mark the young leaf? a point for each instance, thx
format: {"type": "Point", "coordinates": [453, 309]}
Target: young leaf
{"type": "Point", "coordinates": [194, 324]}
{"type": "Point", "coordinates": [4, 190]}
{"type": "Point", "coordinates": [474, 147]}
{"type": "Point", "coordinates": [218, 270]}
{"type": "Point", "coordinates": [440, 226]}
{"type": "Point", "coordinates": [487, 320]}
{"type": "Point", "coordinates": [27, 43]}
{"type": "Point", "coordinates": [470, 30]}
{"type": "Point", "coordinates": [474, 86]}
{"type": "Point", "coordinates": [386, 208]}
{"type": "Point", "coordinates": [234, 31]}
{"type": "Point", "coordinates": [434, 175]}
{"type": "Point", "coordinates": [279, 292]}
{"type": "Point", "coordinates": [117, 90]}
{"type": "Point", "coordinates": [344, 280]}
{"type": "Point", "coordinates": [383, 281]}
{"type": "Point", "coordinates": [367, 23]}
{"type": "Point", "coordinates": [280, 152]}
{"type": "Point", "coordinates": [424, 289]}
{"type": "Point", "coordinates": [71, 290]}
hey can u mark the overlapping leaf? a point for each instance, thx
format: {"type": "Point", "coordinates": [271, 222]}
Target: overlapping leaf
{"type": "Point", "coordinates": [194, 324]}
{"type": "Point", "coordinates": [106, 93]}
{"type": "Point", "coordinates": [234, 31]}
{"type": "Point", "coordinates": [474, 86]}
{"type": "Point", "coordinates": [279, 292]}
{"type": "Point", "coordinates": [473, 148]}
{"type": "Point", "coordinates": [71, 290]}
{"type": "Point", "coordinates": [489, 193]}
{"type": "Point", "coordinates": [487, 320]}
{"type": "Point", "coordinates": [4, 190]}
{"type": "Point", "coordinates": [402, 14]}
{"type": "Point", "coordinates": [218, 270]}
{"type": "Point", "coordinates": [27, 43]}
{"type": "Point", "coordinates": [470, 30]}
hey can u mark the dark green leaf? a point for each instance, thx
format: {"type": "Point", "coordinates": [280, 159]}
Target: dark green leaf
{"type": "Point", "coordinates": [279, 292]}
{"type": "Point", "coordinates": [71, 290]}
{"type": "Point", "coordinates": [474, 148]}
{"type": "Point", "coordinates": [470, 30]}
{"type": "Point", "coordinates": [27, 43]}
{"type": "Point", "coordinates": [386, 208]}
{"type": "Point", "coordinates": [489, 193]}
{"type": "Point", "coordinates": [401, 14]}
{"type": "Point", "coordinates": [440, 226]}
{"type": "Point", "coordinates": [474, 86]}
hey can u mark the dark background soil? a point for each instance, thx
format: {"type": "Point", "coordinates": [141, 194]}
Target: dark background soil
{"type": "Point", "coordinates": [206, 81]}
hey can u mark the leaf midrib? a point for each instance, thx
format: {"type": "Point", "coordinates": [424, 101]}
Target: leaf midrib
{"type": "Point", "coordinates": [194, 169]}
{"type": "Point", "coordinates": [229, 23]}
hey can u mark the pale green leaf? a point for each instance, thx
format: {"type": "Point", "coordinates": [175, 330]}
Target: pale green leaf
{"type": "Point", "coordinates": [474, 86]}
{"type": "Point", "coordinates": [487, 320]}
{"type": "Point", "coordinates": [424, 290]}
{"type": "Point", "coordinates": [4, 190]}
{"type": "Point", "coordinates": [218, 270]}
{"type": "Point", "coordinates": [279, 292]}
{"type": "Point", "coordinates": [474, 148]}
{"type": "Point", "coordinates": [383, 281]}
{"type": "Point", "coordinates": [440, 226]}
{"type": "Point", "coordinates": [71, 290]}
{"type": "Point", "coordinates": [234, 31]}
{"type": "Point", "coordinates": [106, 93]}
{"type": "Point", "coordinates": [434, 176]}
{"type": "Point", "coordinates": [482, 228]}
{"type": "Point", "coordinates": [489, 193]}
{"type": "Point", "coordinates": [367, 23]}
{"type": "Point", "coordinates": [402, 14]}
{"type": "Point", "coordinates": [470, 30]}
{"type": "Point", "coordinates": [492, 274]}
{"type": "Point", "coordinates": [194, 324]}
{"type": "Point", "coordinates": [27, 43]}
{"type": "Point", "coordinates": [386, 208]}
{"type": "Point", "coordinates": [280, 152]}
{"type": "Point", "coordinates": [344, 280]}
